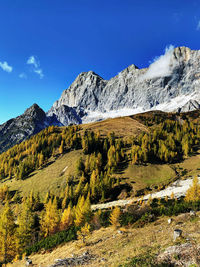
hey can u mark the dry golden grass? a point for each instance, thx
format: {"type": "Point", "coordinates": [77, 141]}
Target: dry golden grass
{"type": "Point", "coordinates": [117, 248]}
{"type": "Point", "coordinates": [191, 164]}
{"type": "Point", "coordinates": [50, 178]}
{"type": "Point", "coordinates": [122, 126]}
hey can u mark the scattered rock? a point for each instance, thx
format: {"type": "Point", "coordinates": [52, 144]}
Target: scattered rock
{"type": "Point", "coordinates": [28, 262]}
{"type": "Point", "coordinates": [192, 213]}
{"type": "Point", "coordinates": [177, 233]}
{"type": "Point", "coordinates": [169, 220]}
{"type": "Point", "coordinates": [57, 260]}
{"type": "Point", "coordinates": [180, 255]}
{"type": "Point", "coordinates": [75, 260]}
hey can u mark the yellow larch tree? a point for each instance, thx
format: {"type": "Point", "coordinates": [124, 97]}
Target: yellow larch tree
{"type": "Point", "coordinates": [66, 219]}
{"type": "Point", "coordinates": [193, 193]}
{"type": "Point", "coordinates": [51, 218]}
{"type": "Point", "coordinates": [7, 234]}
{"type": "Point", "coordinates": [115, 217]}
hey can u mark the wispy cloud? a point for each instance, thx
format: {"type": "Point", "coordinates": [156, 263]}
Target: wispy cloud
{"type": "Point", "coordinates": [198, 26]}
{"type": "Point", "coordinates": [33, 60]}
{"type": "Point", "coordinates": [39, 72]}
{"type": "Point", "coordinates": [161, 66]}
{"type": "Point", "coordinates": [22, 75]}
{"type": "Point", "coordinates": [4, 65]}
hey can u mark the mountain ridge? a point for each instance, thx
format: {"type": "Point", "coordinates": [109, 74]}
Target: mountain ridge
{"type": "Point", "coordinates": [173, 75]}
{"type": "Point", "coordinates": [171, 84]}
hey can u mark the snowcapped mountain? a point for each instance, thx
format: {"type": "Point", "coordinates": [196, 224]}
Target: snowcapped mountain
{"type": "Point", "coordinates": [170, 83]}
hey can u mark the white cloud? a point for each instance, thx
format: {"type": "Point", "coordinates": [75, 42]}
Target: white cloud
{"type": "Point", "coordinates": [39, 72]}
{"type": "Point", "coordinates": [4, 65]}
{"type": "Point", "coordinates": [32, 60]}
{"type": "Point", "coordinates": [22, 75]}
{"type": "Point", "coordinates": [162, 66]}
{"type": "Point", "coordinates": [198, 26]}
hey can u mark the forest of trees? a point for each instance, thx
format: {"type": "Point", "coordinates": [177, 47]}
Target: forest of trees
{"type": "Point", "coordinates": [170, 141]}
{"type": "Point", "coordinates": [31, 154]}
{"type": "Point", "coordinates": [29, 219]}
{"type": "Point", "coordinates": [24, 221]}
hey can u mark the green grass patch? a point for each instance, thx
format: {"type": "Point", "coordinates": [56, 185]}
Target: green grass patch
{"type": "Point", "coordinates": [149, 175]}
{"type": "Point", "coordinates": [51, 178]}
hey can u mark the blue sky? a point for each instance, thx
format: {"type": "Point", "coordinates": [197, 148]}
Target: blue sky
{"type": "Point", "coordinates": [45, 44]}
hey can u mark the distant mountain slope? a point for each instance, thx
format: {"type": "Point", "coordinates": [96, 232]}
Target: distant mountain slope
{"type": "Point", "coordinates": [32, 121]}
{"type": "Point", "coordinates": [171, 83]}
{"type": "Point", "coordinates": [16, 130]}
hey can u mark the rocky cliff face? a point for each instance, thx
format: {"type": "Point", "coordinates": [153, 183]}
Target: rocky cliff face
{"type": "Point", "coordinates": [64, 114]}
{"type": "Point", "coordinates": [16, 130]}
{"type": "Point", "coordinates": [171, 83]}
{"type": "Point", "coordinates": [33, 121]}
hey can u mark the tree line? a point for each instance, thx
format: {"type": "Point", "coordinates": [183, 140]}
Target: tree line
{"type": "Point", "coordinates": [168, 142]}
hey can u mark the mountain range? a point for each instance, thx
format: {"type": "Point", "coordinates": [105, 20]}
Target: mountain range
{"type": "Point", "coordinates": [170, 83]}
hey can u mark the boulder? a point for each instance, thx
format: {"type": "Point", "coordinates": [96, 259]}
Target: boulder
{"type": "Point", "coordinates": [177, 234]}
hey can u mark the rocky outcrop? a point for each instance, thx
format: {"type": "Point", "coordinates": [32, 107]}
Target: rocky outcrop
{"type": "Point", "coordinates": [33, 121]}
{"type": "Point", "coordinates": [189, 106]}
{"type": "Point", "coordinates": [64, 114]}
{"type": "Point", "coordinates": [170, 83]}
{"type": "Point", "coordinates": [186, 254]}
{"type": "Point", "coordinates": [16, 130]}
{"type": "Point", "coordinates": [75, 260]}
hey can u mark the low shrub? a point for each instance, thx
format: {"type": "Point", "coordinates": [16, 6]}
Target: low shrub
{"type": "Point", "coordinates": [144, 261]}
{"type": "Point", "coordinates": [52, 241]}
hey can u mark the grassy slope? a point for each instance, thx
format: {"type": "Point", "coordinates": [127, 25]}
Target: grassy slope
{"type": "Point", "coordinates": [149, 175]}
{"type": "Point", "coordinates": [118, 248]}
{"type": "Point", "coordinates": [50, 178]}
{"type": "Point", "coordinates": [122, 126]}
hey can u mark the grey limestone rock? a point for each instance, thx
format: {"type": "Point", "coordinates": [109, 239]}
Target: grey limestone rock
{"type": "Point", "coordinates": [16, 130]}
{"type": "Point", "coordinates": [172, 83]}
{"type": "Point", "coordinates": [64, 114]}
{"type": "Point", "coordinates": [32, 121]}
{"type": "Point", "coordinates": [177, 234]}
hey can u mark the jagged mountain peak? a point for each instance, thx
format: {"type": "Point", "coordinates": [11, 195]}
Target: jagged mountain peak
{"type": "Point", "coordinates": [87, 76]}
{"type": "Point", "coordinates": [17, 129]}
{"type": "Point", "coordinates": [127, 71]}
{"type": "Point", "coordinates": [182, 53]}
{"type": "Point", "coordinates": [167, 84]}
{"type": "Point", "coordinates": [131, 67]}
{"type": "Point", "coordinates": [34, 110]}
{"type": "Point", "coordinates": [34, 106]}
